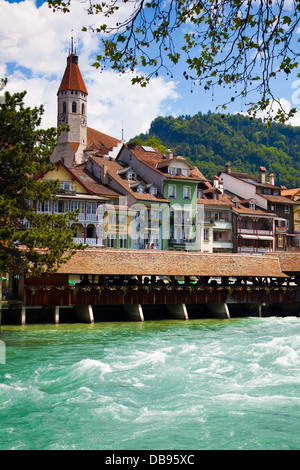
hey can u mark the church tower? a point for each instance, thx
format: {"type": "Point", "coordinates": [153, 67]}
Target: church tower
{"type": "Point", "coordinates": [71, 111]}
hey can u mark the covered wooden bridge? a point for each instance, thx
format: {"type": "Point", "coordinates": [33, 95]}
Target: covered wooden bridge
{"type": "Point", "coordinates": [96, 283]}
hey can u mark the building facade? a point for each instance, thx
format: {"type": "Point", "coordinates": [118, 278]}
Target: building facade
{"type": "Point", "coordinates": [261, 195]}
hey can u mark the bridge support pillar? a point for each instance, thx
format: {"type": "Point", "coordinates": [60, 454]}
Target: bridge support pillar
{"type": "Point", "coordinates": [134, 312]}
{"type": "Point", "coordinates": [219, 310]}
{"type": "Point", "coordinates": [23, 315]}
{"type": "Point", "coordinates": [177, 311]}
{"type": "Point", "coordinates": [84, 313]}
{"type": "Point", "coordinates": [56, 314]}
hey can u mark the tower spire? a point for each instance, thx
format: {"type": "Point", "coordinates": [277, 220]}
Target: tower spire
{"type": "Point", "coordinates": [72, 41]}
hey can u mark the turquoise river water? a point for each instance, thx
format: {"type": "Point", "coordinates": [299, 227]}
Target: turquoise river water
{"type": "Point", "coordinates": [195, 385]}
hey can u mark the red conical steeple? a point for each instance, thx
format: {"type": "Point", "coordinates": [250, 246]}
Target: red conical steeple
{"type": "Point", "coordinates": [72, 79]}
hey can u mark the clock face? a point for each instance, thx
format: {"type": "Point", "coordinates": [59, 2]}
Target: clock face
{"type": "Point", "coordinates": [83, 122]}
{"type": "Point", "coordinates": [62, 119]}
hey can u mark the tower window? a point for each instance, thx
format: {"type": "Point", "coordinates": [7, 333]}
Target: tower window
{"type": "Point", "coordinates": [74, 107]}
{"type": "Point", "coordinates": [82, 108]}
{"type": "Point", "coordinates": [64, 107]}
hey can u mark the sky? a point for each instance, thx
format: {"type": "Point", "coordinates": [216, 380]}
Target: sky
{"type": "Point", "coordinates": [34, 45]}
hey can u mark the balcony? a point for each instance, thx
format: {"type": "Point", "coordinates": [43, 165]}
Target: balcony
{"type": "Point", "coordinates": [252, 249]}
{"type": "Point", "coordinates": [90, 241]}
{"type": "Point", "coordinates": [252, 231]}
{"type": "Point", "coordinates": [82, 217]}
{"type": "Point", "coordinates": [182, 244]}
{"type": "Point", "coordinates": [222, 245]}
{"type": "Point", "coordinates": [222, 224]}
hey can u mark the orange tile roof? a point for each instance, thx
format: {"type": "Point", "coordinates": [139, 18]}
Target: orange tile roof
{"type": "Point", "coordinates": [170, 263]}
{"type": "Point", "coordinates": [97, 141]}
{"type": "Point", "coordinates": [72, 79]}
{"type": "Point", "coordinates": [278, 199]}
{"type": "Point", "coordinates": [113, 167]}
{"type": "Point", "coordinates": [289, 262]}
{"type": "Point", "coordinates": [91, 183]}
{"type": "Point", "coordinates": [290, 192]}
{"type": "Point", "coordinates": [74, 146]}
{"type": "Point", "coordinates": [156, 160]}
{"type": "Point", "coordinates": [223, 200]}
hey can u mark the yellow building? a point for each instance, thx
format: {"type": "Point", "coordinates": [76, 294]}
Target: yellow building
{"type": "Point", "coordinates": [100, 214]}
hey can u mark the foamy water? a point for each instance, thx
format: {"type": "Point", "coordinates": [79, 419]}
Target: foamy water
{"type": "Point", "coordinates": [199, 384]}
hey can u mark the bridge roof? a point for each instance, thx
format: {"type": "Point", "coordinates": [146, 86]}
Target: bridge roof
{"type": "Point", "coordinates": [171, 263]}
{"type": "Point", "coordinates": [289, 262]}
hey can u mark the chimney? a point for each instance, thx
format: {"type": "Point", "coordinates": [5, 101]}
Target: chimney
{"type": "Point", "coordinates": [216, 182]}
{"type": "Point", "coordinates": [221, 187]}
{"type": "Point", "coordinates": [228, 168]}
{"type": "Point", "coordinates": [262, 174]}
{"type": "Point", "coordinates": [272, 179]}
{"type": "Point", "coordinates": [105, 175]}
{"type": "Point", "coordinates": [169, 154]}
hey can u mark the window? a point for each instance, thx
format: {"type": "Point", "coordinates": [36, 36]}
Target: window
{"type": "Point", "coordinates": [64, 107]}
{"type": "Point", "coordinates": [187, 233]}
{"type": "Point", "coordinates": [280, 241]}
{"type": "Point", "coordinates": [244, 223]}
{"type": "Point", "coordinates": [110, 240]}
{"type": "Point", "coordinates": [200, 193]}
{"type": "Point", "coordinates": [91, 207]}
{"type": "Point", "coordinates": [82, 108]}
{"type": "Point", "coordinates": [251, 205]}
{"type": "Point", "coordinates": [122, 219]}
{"type": "Point", "coordinates": [177, 217]}
{"type": "Point", "coordinates": [131, 175]}
{"type": "Point", "coordinates": [77, 205]}
{"type": "Point", "coordinates": [44, 206]}
{"type": "Point", "coordinates": [215, 196]}
{"type": "Point", "coordinates": [140, 189]}
{"type": "Point", "coordinates": [186, 192]}
{"type": "Point", "coordinates": [74, 107]}
{"type": "Point", "coordinates": [66, 185]}
{"type": "Point", "coordinates": [171, 170]}
{"type": "Point", "coordinates": [206, 235]}
{"type": "Point", "coordinates": [171, 190]}
{"type": "Point", "coordinates": [178, 233]}
{"type": "Point", "coordinates": [123, 241]}
{"type": "Point", "coordinates": [187, 215]}
{"type": "Point", "coordinates": [286, 209]}
{"type": "Point", "coordinates": [185, 172]}
{"type": "Point", "coordinates": [112, 218]}
{"type": "Point", "coordinates": [155, 239]}
{"type": "Point", "coordinates": [59, 207]}
{"type": "Point", "coordinates": [153, 190]}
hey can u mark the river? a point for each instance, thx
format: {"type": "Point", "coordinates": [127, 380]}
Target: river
{"type": "Point", "coordinates": [194, 385]}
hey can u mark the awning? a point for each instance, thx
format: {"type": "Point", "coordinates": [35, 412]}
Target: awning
{"type": "Point", "coordinates": [249, 237]}
{"type": "Point", "coordinates": [265, 237]}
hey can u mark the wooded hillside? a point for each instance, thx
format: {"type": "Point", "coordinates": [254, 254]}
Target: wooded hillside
{"type": "Point", "coordinates": [210, 140]}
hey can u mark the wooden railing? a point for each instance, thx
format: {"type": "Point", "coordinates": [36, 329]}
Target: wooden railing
{"type": "Point", "coordinates": [116, 295]}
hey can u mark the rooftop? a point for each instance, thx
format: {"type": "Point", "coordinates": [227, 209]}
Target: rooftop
{"type": "Point", "coordinates": [155, 159]}
{"type": "Point", "coordinates": [72, 79]}
{"type": "Point", "coordinates": [170, 263]}
{"type": "Point", "coordinates": [97, 141]}
{"type": "Point", "coordinates": [116, 171]}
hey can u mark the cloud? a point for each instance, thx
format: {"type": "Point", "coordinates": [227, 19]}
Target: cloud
{"type": "Point", "coordinates": [34, 45]}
